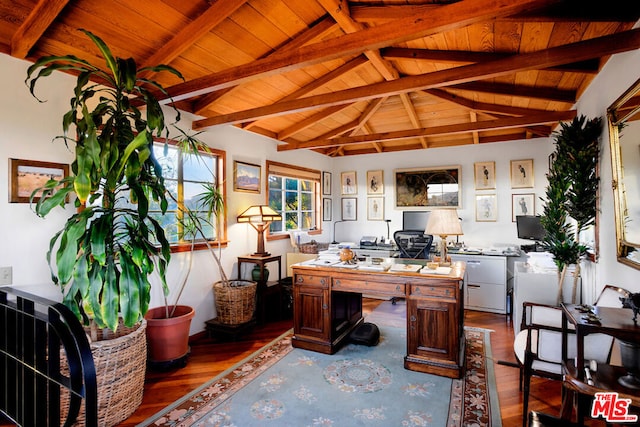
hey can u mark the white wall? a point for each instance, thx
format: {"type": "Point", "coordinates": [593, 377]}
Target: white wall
{"type": "Point", "coordinates": [476, 233]}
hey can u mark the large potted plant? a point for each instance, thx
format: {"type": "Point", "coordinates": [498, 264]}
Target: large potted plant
{"type": "Point", "coordinates": [571, 195]}
{"type": "Point", "coordinates": [104, 254]}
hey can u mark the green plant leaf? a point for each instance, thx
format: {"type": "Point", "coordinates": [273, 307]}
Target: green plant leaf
{"type": "Point", "coordinates": [69, 247]}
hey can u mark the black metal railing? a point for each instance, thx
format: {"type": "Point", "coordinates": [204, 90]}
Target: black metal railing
{"type": "Point", "coordinates": [33, 330]}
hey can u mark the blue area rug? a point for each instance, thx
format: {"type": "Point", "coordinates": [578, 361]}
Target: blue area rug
{"type": "Point", "coordinates": [358, 386]}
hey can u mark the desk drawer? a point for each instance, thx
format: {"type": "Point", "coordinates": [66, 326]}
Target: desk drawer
{"type": "Point", "coordinates": [310, 280]}
{"type": "Point", "coordinates": [366, 286]}
{"type": "Point", "coordinates": [443, 291]}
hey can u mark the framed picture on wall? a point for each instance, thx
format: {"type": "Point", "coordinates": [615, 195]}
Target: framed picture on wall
{"type": "Point", "coordinates": [484, 174]}
{"type": "Point", "coordinates": [25, 176]}
{"type": "Point", "coordinates": [522, 204]}
{"type": "Point", "coordinates": [349, 209]}
{"type": "Point", "coordinates": [246, 177]}
{"type": "Point", "coordinates": [522, 173]}
{"type": "Point", "coordinates": [326, 183]}
{"type": "Point", "coordinates": [486, 207]}
{"type": "Point", "coordinates": [348, 183]}
{"type": "Point", "coordinates": [375, 208]}
{"type": "Point", "coordinates": [326, 209]}
{"type": "Point", "coordinates": [421, 188]}
{"type": "Point", "coordinates": [375, 182]}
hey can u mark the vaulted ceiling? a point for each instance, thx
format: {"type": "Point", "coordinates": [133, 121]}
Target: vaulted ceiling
{"type": "Point", "coordinates": [346, 77]}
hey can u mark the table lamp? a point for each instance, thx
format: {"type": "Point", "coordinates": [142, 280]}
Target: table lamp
{"type": "Point", "coordinates": [259, 216]}
{"type": "Point", "coordinates": [443, 223]}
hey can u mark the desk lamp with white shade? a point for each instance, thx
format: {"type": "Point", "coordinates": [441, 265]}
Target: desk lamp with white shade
{"type": "Point", "coordinates": [443, 223]}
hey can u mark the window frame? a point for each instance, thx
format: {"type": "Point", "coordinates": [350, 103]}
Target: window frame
{"type": "Point", "coordinates": [221, 226]}
{"type": "Point", "coordinates": [301, 173]}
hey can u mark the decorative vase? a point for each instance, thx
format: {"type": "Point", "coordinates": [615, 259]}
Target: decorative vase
{"type": "Point", "coordinates": [630, 357]}
{"type": "Point", "coordinates": [255, 274]}
{"type": "Point", "coordinates": [168, 338]}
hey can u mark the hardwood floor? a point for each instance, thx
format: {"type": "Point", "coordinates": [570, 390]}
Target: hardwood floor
{"type": "Point", "coordinates": [209, 358]}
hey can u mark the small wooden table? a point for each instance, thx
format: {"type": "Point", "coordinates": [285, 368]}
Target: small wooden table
{"type": "Point", "coordinates": [265, 288]}
{"type": "Point", "coordinates": [616, 322]}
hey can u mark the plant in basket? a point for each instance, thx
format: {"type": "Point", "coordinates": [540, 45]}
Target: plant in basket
{"type": "Point", "coordinates": [104, 254]}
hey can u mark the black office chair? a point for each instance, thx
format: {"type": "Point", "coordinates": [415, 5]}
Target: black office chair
{"type": "Point", "coordinates": [413, 243]}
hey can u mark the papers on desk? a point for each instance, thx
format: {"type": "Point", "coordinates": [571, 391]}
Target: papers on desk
{"type": "Point", "coordinates": [406, 267]}
{"type": "Point", "coordinates": [345, 265]}
{"type": "Point", "coordinates": [373, 267]}
{"type": "Point", "coordinates": [439, 270]}
{"type": "Point", "coordinates": [318, 261]}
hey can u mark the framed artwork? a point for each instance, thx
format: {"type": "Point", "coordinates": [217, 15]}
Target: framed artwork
{"type": "Point", "coordinates": [348, 183]}
{"type": "Point", "coordinates": [375, 208]}
{"type": "Point", "coordinates": [25, 176]}
{"type": "Point", "coordinates": [326, 209]}
{"type": "Point", "coordinates": [246, 177]}
{"type": "Point", "coordinates": [349, 209]}
{"type": "Point", "coordinates": [326, 183]}
{"type": "Point", "coordinates": [484, 174]}
{"type": "Point", "coordinates": [522, 204]}
{"type": "Point", "coordinates": [522, 173]}
{"type": "Point", "coordinates": [421, 188]}
{"type": "Point", "coordinates": [375, 182]}
{"type": "Point", "coordinates": [486, 207]}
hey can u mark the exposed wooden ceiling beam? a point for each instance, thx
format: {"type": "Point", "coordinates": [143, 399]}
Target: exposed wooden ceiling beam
{"type": "Point", "coordinates": [445, 18]}
{"type": "Point", "coordinates": [467, 57]}
{"type": "Point", "coordinates": [511, 122]}
{"type": "Point", "coordinates": [28, 34]}
{"type": "Point", "coordinates": [315, 31]}
{"type": "Point", "coordinates": [567, 11]}
{"type": "Point", "coordinates": [572, 52]}
{"type": "Point", "coordinates": [548, 94]}
{"type": "Point", "coordinates": [482, 106]}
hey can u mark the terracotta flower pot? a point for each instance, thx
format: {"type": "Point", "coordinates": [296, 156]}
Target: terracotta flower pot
{"type": "Point", "coordinates": [168, 338]}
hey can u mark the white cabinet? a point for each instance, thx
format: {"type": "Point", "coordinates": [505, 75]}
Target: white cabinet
{"type": "Point", "coordinates": [540, 286]}
{"type": "Point", "coordinates": [485, 282]}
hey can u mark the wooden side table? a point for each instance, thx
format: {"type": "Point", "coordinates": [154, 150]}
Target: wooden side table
{"type": "Point", "coordinates": [616, 322]}
{"type": "Point", "coordinates": [266, 288]}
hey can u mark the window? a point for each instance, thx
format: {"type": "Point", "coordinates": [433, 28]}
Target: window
{"type": "Point", "coordinates": [184, 176]}
{"type": "Point", "coordinates": [294, 194]}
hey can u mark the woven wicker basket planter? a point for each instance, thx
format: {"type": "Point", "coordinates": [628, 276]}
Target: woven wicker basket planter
{"type": "Point", "coordinates": [121, 361]}
{"type": "Point", "coordinates": [235, 301]}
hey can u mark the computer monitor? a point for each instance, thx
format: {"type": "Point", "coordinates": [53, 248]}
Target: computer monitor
{"type": "Point", "coordinates": [414, 220]}
{"type": "Point", "coordinates": [529, 227]}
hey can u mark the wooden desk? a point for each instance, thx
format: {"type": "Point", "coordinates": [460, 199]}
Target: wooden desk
{"type": "Point", "coordinates": [327, 306]}
{"type": "Point", "coordinates": [616, 322]}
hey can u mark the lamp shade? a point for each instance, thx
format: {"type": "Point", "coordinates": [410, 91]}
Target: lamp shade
{"type": "Point", "coordinates": [259, 214]}
{"type": "Point", "coordinates": [444, 222]}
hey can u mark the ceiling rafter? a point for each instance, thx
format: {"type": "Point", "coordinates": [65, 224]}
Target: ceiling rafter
{"type": "Point", "coordinates": [347, 67]}
{"type": "Point", "coordinates": [568, 11]}
{"type": "Point", "coordinates": [313, 32]}
{"type": "Point", "coordinates": [511, 122]}
{"type": "Point", "coordinates": [194, 31]}
{"type": "Point", "coordinates": [614, 43]}
{"type": "Point", "coordinates": [40, 18]}
{"type": "Point", "coordinates": [447, 17]}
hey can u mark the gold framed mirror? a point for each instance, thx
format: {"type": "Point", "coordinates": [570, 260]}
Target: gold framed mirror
{"type": "Point", "coordinates": [624, 130]}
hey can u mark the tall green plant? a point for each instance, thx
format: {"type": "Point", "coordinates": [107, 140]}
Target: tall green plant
{"type": "Point", "coordinates": [571, 194]}
{"type": "Point", "coordinates": [106, 251]}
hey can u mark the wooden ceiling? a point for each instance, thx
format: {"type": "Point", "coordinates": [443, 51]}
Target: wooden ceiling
{"type": "Point", "coordinates": [347, 77]}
